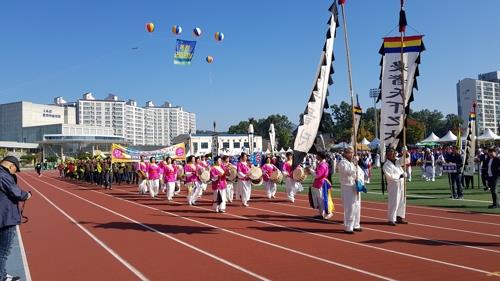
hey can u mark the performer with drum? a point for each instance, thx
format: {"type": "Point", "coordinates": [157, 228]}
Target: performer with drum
{"type": "Point", "coordinates": [244, 186]}
{"type": "Point", "coordinates": [218, 177]}
{"type": "Point", "coordinates": [351, 198]}
{"type": "Point", "coordinates": [180, 175]}
{"type": "Point", "coordinates": [269, 184]}
{"type": "Point", "coordinates": [320, 175]}
{"type": "Point", "coordinates": [232, 175]}
{"type": "Point", "coordinates": [142, 169]}
{"type": "Point", "coordinates": [192, 181]}
{"type": "Point", "coordinates": [291, 186]}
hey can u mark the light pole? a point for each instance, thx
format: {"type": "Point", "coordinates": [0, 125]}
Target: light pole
{"type": "Point", "coordinates": [374, 93]}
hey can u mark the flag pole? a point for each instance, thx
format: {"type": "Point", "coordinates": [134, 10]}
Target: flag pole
{"type": "Point", "coordinates": [402, 29]}
{"type": "Point", "coordinates": [349, 74]}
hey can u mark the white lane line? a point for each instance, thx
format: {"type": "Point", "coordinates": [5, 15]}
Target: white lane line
{"type": "Point", "coordinates": [413, 223]}
{"type": "Point", "coordinates": [415, 214]}
{"type": "Point", "coordinates": [161, 233]}
{"type": "Point", "coordinates": [393, 233]}
{"type": "Point", "coordinates": [222, 229]}
{"type": "Point", "coordinates": [303, 231]}
{"type": "Point", "coordinates": [27, 272]}
{"type": "Point", "coordinates": [102, 244]}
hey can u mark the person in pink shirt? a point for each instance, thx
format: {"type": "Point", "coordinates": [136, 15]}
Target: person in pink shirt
{"type": "Point", "coordinates": [192, 180]}
{"type": "Point", "coordinates": [170, 175]}
{"type": "Point", "coordinates": [320, 175]}
{"type": "Point", "coordinates": [153, 177]}
{"type": "Point", "coordinates": [200, 167]}
{"type": "Point", "coordinates": [218, 177]}
{"type": "Point", "coordinates": [229, 184]}
{"type": "Point", "coordinates": [161, 169]}
{"type": "Point", "coordinates": [267, 169]}
{"type": "Point", "coordinates": [244, 186]}
{"type": "Point", "coordinates": [142, 170]}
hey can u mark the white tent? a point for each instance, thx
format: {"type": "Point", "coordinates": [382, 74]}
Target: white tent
{"type": "Point", "coordinates": [449, 137]}
{"type": "Point", "coordinates": [289, 149]}
{"type": "Point", "coordinates": [431, 138]}
{"type": "Point", "coordinates": [341, 145]}
{"type": "Point", "coordinates": [488, 135]}
{"type": "Point", "coordinates": [365, 141]}
{"type": "Point", "coordinates": [282, 151]}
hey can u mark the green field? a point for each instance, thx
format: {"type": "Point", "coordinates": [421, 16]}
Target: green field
{"type": "Point", "coordinates": [431, 194]}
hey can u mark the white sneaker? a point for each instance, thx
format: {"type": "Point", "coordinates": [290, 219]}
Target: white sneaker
{"type": "Point", "coordinates": [11, 278]}
{"type": "Point", "coordinates": [329, 216]}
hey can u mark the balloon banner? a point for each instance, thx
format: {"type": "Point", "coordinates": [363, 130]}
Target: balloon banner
{"type": "Point", "coordinates": [184, 52]}
{"type": "Point", "coordinates": [120, 153]}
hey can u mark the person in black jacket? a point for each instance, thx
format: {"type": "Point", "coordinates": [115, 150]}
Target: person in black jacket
{"type": "Point", "coordinates": [10, 216]}
{"type": "Point", "coordinates": [493, 171]}
{"type": "Point", "coordinates": [456, 182]}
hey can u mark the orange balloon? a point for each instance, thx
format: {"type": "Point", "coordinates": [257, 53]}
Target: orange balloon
{"type": "Point", "coordinates": [150, 27]}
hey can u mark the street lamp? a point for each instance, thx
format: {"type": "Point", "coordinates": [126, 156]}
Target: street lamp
{"type": "Point", "coordinates": [374, 93]}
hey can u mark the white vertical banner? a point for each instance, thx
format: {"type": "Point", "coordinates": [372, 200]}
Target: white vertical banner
{"type": "Point", "coordinates": [308, 128]}
{"type": "Point", "coordinates": [391, 95]}
{"type": "Point", "coordinates": [272, 138]}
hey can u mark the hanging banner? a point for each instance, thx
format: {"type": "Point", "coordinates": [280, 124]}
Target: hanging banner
{"type": "Point", "coordinates": [470, 146]}
{"type": "Point", "coordinates": [307, 130]}
{"type": "Point", "coordinates": [184, 51]}
{"type": "Point", "coordinates": [272, 138]}
{"type": "Point", "coordinates": [120, 153]}
{"type": "Point", "coordinates": [391, 95]}
{"type": "Point", "coordinates": [357, 120]}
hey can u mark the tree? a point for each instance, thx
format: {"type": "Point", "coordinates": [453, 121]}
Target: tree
{"type": "Point", "coordinates": [282, 126]}
{"type": "Point", "coordinates": [432, 121]}
{"type": "Point", "coordinates": [342, 120]}
{"type": "Point", "coordinates": [415, 131]}
{"type": "Point", "coordinates": [241, 128]}
{"type": "Point", "coordinates": [453, 122]}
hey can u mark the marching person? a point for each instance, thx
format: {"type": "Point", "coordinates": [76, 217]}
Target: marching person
{"type": "Point", "coordinates": [170, 176]}
{"type": "Point", "coordinates": [320, 175]}
{"type": "Point", "coordinates": [142, 169]}
{"type": "Point", "coordinates": [38, 168]}
{"type": "Point", "coordinates": [351, 198]}
{"type": "Point", "coordinates": [229, 184]}
{"type": "Point", "coordinates": [10, 216]}
{"type": "Point", "coordinates": [153, 177]}
{"type": "Point", "coordinates": [267, 170]}
{"type": "Point", "coordinates": [395, 176]}
{"type": "Point", "coordinates": [180, 174]}
{"type": "Point", "coordinates": [218, 176]}
{"type": "Point", "coordinates": [428, 164]}
{"type": "Point", "coordinates": [192, 180]}
{"type": "Point", "coordinates": [244, 186]}
{"type": "Point", "coordinates": [291, 186]}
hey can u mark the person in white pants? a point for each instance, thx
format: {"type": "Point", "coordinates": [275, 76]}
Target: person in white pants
{"type": "Point", "coordinates": [395, 176]}
{"type": "Point", "coordinates": [244, 186]}
{"type": "Point", "coordinates": [291, 186]}
{"type": "Point", "coordinates": [229, 184]}
{"type": "Point", "coordinates": [218, 176]}
{"type": "Point", "coordinates": [267, 170]}
{"type": "Point", "coordinates": [351, 199]}
{"type": "Point", "coordinates": [170, 176]}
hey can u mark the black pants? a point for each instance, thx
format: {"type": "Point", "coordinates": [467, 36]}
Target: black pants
{"type": "Point", "coordinates": [456, 185]}
{"type": "Point", "coordinates": [492, 184]}
{"type": "Point", "coordinates": [469, 181]}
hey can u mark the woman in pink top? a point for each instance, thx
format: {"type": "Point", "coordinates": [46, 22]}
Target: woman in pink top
{"type": "Point", "coordinates": [170, 175]}
{"type": "Point", "coordinates": [267, 170]}
{"type": "Point", "coordinates": [218, 176]}
{"type": "Point", "coordinates": [161, 170]}
{"type": "Point", "coordinates": [192, 181]}
{"type": "Point", "coordinates": [320, 175]}
{"type": "Point", "coordinates": [142, 170]}
{"type": "Point", "coordinates": [291, 186]}
{"type": "Point", "coordinates": [244, 186]}
{"type": "Point", "coordinates": [153, 177]}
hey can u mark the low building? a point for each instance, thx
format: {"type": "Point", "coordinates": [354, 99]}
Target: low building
{"type": "Point", "coordinates": [201, 144]}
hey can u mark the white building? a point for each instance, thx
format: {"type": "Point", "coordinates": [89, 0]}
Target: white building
{"type": "Point", "coordinates": [14, 116]}
{"type": "Point", "coordinates": [233, 144]}
{"type": "Point", "coordinates": [485, 92]}
{"type": "Point", "coordinates": [149, 125]}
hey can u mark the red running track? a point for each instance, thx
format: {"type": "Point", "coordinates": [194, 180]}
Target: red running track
{"type": "Point", "coordinates": [78, 231]}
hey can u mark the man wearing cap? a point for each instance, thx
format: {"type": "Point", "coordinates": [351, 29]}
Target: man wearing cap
{"type": "Point", "coordinates": [10, 216]}
{"type": "Point", "coordinates": [395, 176]}
{"type": "Point", "coordinates": [351, 198]}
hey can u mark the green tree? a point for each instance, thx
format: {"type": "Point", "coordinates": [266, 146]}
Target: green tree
{"type": "Point", "coordinates": [282, 126]}
{"type": "Point", "coordinates": [241, 128]}
{"type": "Point", "coordinates": [432, 121]}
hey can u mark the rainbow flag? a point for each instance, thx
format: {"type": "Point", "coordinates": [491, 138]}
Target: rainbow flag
{"type": "Point", "coordinates": [327, 191]}
{"type": "Point", "coordinates": [472, 116]}
{"type": "Point", "coordinates": [410, 44]}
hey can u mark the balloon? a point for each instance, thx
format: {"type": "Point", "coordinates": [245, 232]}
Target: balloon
{"type": "Point", "coordinates": [210, 59]}
{"type": "Point", "coordinates": [176, 29]}
{"type": "Point", "coordinates": [197, 31]}
{"type": "Point", "coordinates": [150, 27]}
{"type": "Point", "coordinates": [219, 36]}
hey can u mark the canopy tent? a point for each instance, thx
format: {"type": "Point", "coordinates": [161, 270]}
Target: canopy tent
{"type": "Point", "coordinates": [374, 143]}
{"type": "Point", "coordinates": [289, 149]}
{"type": "Point", "coordinates": [449, 137]}
{"type": "Point", "coordinates": [362, 147]}
{"type": "Point", "coordinates": [339, 146]}
{"type": "Point", "coordinates": [365, 141]}
{"type": "Point", "coordinates": [488, 135]}
{"type": "Point", "coordinates": [282, 151]}
{"type": "Point", "coordinates": [427, 144]}
{"type": "Point", "coordinates": [431, 138]}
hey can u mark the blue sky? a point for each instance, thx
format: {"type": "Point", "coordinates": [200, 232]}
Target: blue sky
{"type": "Point", "coordinates": [265, 65]}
